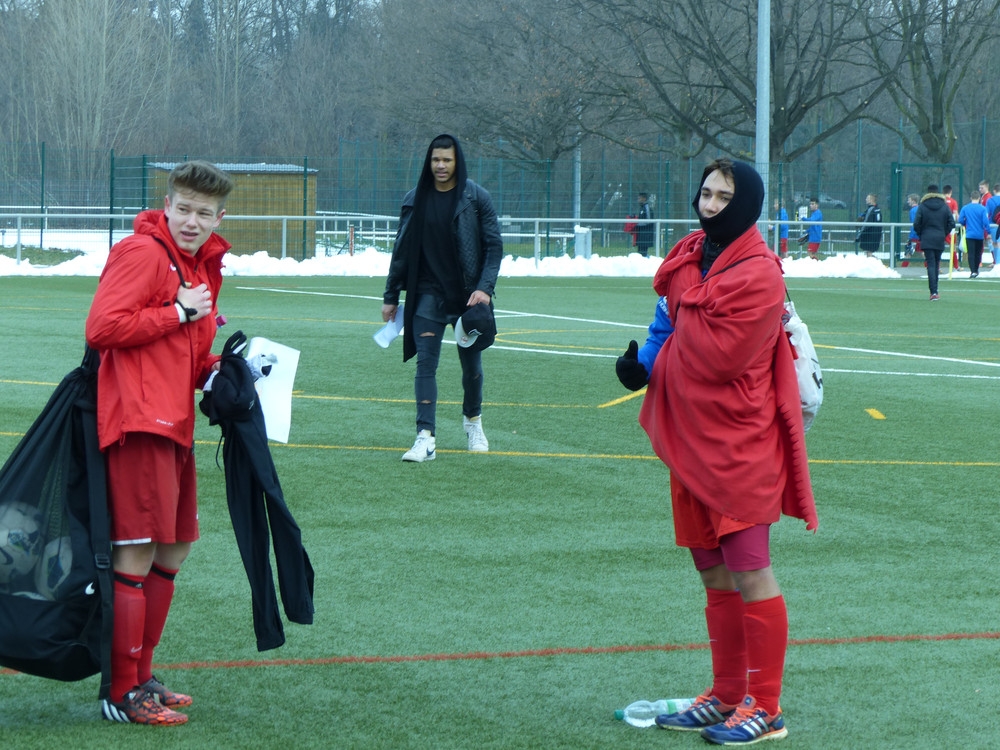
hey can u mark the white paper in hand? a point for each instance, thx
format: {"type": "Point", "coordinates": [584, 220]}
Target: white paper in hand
{"type": "Point", "coordinates": [275, 390]}
{"type": "Point", "coordinates": [387, 333]}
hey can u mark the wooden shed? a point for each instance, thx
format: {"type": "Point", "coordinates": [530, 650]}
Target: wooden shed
{"type": "Point", "coordinates": [261, 190]}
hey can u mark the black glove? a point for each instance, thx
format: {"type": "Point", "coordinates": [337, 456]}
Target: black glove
{"type": "Point", "coordinates": [235, 345]}
{"type": "Point", "coordinates": [630, 370]}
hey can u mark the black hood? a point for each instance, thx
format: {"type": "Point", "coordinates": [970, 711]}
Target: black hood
{"type": "Point", "coordinates": [426, 184]}
{"type": "Point", "coordinates": [426, 181]}
{"type": "Point", "coordinates": [743, 210]}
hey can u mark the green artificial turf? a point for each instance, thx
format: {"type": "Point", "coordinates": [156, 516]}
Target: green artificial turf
{"type": "Point", "coordinates": [515, 599]}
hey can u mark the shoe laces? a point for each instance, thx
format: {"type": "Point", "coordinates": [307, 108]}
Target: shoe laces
{"type": "Point", "coordinates": [143, 697]}
{"type": "Point", "coordinates": [745, 713]}
{"type": "Point", "coordinates": [705, 697]}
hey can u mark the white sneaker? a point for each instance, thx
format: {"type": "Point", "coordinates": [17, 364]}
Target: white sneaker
{"type": "Point", "coordinates": [423, 448]}
{"type": "Point", "coordinates": [474, 429]}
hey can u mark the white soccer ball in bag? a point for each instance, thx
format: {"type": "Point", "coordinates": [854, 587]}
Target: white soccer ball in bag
{"type": "Point", "coordinates": [53, 568]}
{"type": "Point", "coordinates": [20, 539]}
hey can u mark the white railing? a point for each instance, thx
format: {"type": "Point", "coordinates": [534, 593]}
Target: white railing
{"type": "Point", "coordinates": [547, 236]}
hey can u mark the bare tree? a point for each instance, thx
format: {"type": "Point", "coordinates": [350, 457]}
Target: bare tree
{"type": "Point", "coordinates": [489, 70]}
{"type": "Point", "coordinates": [929, 49]}
{"type": "Point", "coordinates": [92, 79]}
{"type": "Point", "coordinates": [690, 68]}
{"type": "Point", "coordinates": [322, 89]}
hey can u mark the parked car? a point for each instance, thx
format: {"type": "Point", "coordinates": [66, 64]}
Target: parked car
{"type": "Point", "coordinates": [824, 200]}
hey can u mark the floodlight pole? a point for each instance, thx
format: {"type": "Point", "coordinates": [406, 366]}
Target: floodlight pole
{"type": "Point", "coordinates": [763, 145]}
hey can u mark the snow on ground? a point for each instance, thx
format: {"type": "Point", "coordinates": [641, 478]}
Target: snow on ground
{"type": "Point", "coordinates": [371, 262]}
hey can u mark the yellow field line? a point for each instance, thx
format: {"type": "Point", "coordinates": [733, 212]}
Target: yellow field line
{"type": "Point", "coordinates": [623, 399]}
{"type": "Point", "coordinates": [371, 399]}
{"type": "Point", "coordinates": [601, 456]}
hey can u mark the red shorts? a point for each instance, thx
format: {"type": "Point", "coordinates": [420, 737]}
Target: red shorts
{"type": "Point", "coordinates": [715, 539]}
{"type": "Point", "coordinates": [783, 245]}
{"type": "Point", "coordinates": [813, 248]}
{"type": "Point", "coordinates": [152, 490]}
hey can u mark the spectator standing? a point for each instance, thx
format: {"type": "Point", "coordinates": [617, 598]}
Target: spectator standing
{"type": "Point", "coordinates": [952, 203]}
{"type": "Point", "coordinates": [912, 240]}
{"type": "Point", "coordinates": [869, 235]}
{"type": "Point", "coordinates": [815, 230]}
{"type": "Point", "coordinates": [933, 223]}
{"type": "Point", "coordinates": [722, 411]}
{"type": "Point", "coordinates": [153, 319]}
{"type": "Point", "coordinates": [976, 221]}
{"type": "Point", "coordinates": [993, 211]}
{"type": "Point", "coordinates": [645, 229]}
{"type": "Point", "coordinates": [781, 215]}
{"type": "Point", "coordinates": [447, 257]}
{"type": "Point", "coordinates": [984, 191]}
{"type": "Point", "coordinates": [953, 207]}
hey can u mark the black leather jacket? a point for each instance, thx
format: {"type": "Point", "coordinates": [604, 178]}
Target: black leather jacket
{"type": "Point", "coordinates": [477, 237]}
{"type": "Point", "coordinates": [477, 241]}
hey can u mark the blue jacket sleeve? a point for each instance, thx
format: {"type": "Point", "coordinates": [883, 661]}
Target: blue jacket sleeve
{"type": "Point", "coordinates": [659, 331]}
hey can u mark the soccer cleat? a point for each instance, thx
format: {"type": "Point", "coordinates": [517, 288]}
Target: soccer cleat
{"type": "Point", "coordinates": [165, 696]}
{"type": "Point", "coordinates": [747, 726]}
{"type": "Point", "coordinates": [423, 449]}
{"type": "Point", "coordinates": [934, 298]}
{"type": "Point", "coordinates": [706, 711]}
{"type": "Point", "coordinates": [474, 430]}
{"type": "Point", "coordinates": [140, 706]}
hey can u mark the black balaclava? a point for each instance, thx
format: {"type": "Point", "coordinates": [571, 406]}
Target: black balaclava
{"type": "Point", "coordinates": [736, 218]}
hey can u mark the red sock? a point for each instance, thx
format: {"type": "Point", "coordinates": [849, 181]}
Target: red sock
{"type": "Point", "coordinates": [126, 640]}
{"type": "Point", "coordinates": [159, 591]}
{"type": "Point", "coordinates": [724, 615]}
{"type": "Point", "coordinates": [766, 625]}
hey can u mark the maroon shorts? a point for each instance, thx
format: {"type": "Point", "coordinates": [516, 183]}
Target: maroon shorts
{"type": "Point", "coordinates": [152, 490]}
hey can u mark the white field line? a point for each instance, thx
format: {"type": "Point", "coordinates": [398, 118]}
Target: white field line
{"type": "Point", "coordinates": [914, 374]}
{"type": "Point", "coordinates": [518, 314]}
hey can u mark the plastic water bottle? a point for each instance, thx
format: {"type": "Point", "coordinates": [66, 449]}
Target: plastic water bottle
{"type": "Point", "coordinates": [643, 713]}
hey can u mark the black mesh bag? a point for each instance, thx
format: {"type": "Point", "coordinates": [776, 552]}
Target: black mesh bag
{"type": "Point", "coordinates": [56, 610]}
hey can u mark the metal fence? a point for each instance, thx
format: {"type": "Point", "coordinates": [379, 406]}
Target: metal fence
{"type": "Point", "coordinates": [346, 233]}
{"type": "Point", "coordinates": [600, 182]}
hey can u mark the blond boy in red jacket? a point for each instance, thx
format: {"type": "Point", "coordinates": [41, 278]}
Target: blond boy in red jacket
{"type": "Point", "coordinates": [153, 320]}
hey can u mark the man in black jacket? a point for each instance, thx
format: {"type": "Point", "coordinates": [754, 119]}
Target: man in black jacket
{"type": "Point", "coordinates": [869, 235]}
{"type": "Point", "coordinates": [447, 257]}
{"type": "Point", "coordinates": [933, 223]}
{"type": "Point", "coordinates": [645, 229]}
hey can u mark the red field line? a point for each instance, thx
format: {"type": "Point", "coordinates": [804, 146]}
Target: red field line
{"type": "Point", "coordinates": [474, 655]}
{"type": "Point", "coordinates": [247, 663]}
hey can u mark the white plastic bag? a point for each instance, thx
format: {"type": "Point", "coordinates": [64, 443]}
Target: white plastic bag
{"type": "Point", "coordinates": [806, 365]}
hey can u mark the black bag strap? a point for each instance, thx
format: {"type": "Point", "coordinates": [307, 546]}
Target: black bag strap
{"type": "Point", "coordinates": [100, 534]}
{"type": "Point", "coordinates": [173, 260]}
{"type": "Point", "coordinates": [188, 311]}
{"type": "Point", "coordinates": [731, 265]}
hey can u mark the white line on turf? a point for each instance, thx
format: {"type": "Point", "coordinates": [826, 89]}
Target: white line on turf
{"type": "Point", "coordinates": [515, 313]}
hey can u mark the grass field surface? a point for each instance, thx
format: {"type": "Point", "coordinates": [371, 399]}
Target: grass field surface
{"type": "Point", "coordinates": [515, 599]}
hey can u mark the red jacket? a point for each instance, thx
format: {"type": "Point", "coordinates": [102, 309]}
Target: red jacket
{"type": "Point", "coordinates": [722, 408]}
{"type": "Point", "coordinates": [151, 364]}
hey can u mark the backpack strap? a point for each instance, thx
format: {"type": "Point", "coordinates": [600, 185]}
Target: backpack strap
{"type": "Point", "coordinates": [190, 312]}
{"type": "Point", "coordinates": [100, 534]}
{"type": "Point", "coordinates": [731, 265]}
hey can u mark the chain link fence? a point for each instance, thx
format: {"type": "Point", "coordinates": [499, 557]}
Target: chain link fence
{"type": "Point", "coordinates": [363, 183]}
